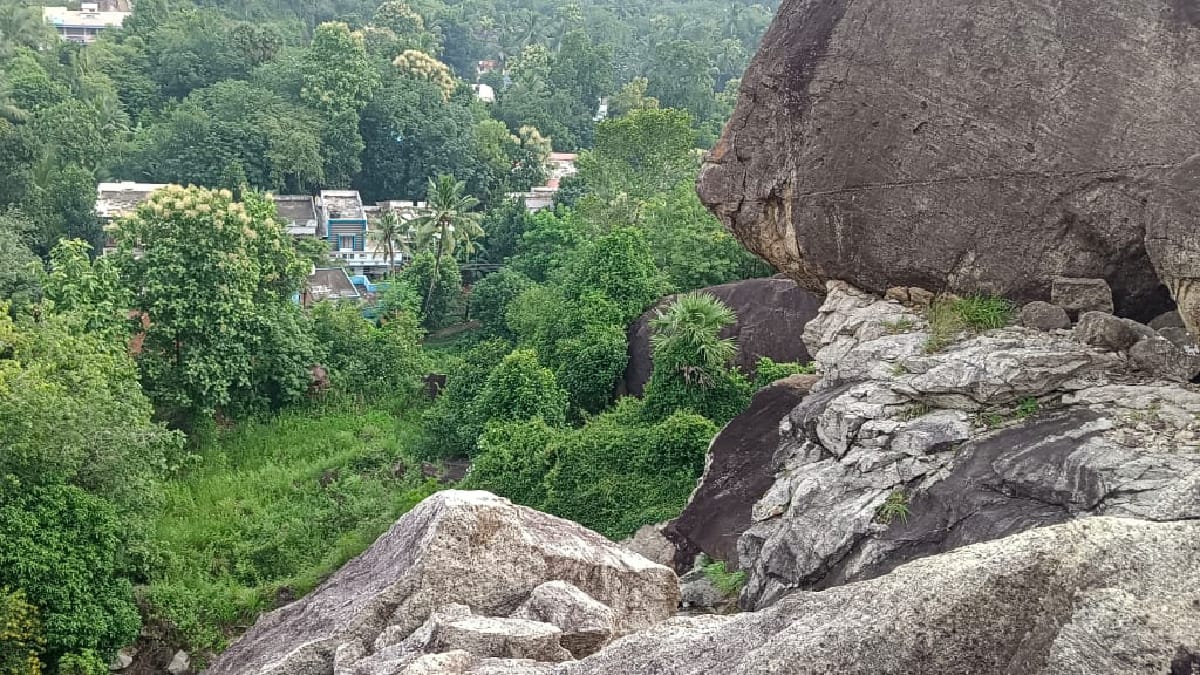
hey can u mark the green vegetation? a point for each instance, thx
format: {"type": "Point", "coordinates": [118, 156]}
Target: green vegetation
{"type": "Point", "coordinates": [948, 318]}
{"type": "Point", "coordinates": [727, 582]}
{"type": "Point", "coordinates": [895, 506]}
{"type": "Point", "coordinates": [767, 371]}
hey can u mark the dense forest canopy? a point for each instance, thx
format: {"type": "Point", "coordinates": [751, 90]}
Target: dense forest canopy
{"type": "Point", "coordinates": [184, 443]}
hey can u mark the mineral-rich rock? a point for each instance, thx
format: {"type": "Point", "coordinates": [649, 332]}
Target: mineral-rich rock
{"type": "Point", "coordinates": [1078, 296]}
{"type": "Point", "coordinates": [1160, 357]}
{"type": "Point", "coordinates": [586, 624]}
{"type": "Point", "coordinates": [891, 457]}
{"type": "Point", "coordinates": [1043, 316]}
{"type": "Point", "coordinates": [1109, 332]}
{"type": "Point", "coordinates": [1101, 595]}
{"type": "Point", "coordinates": [467, 547]}
{"type": "Point", "coordinates": [771, 315]}
{"type": "Point", "coordinates": [697, 591]}
{"type": "Point", "coordinates": [737, 473]}
{"type": "Point", "coordinates": [503, 638]}
{"type": "Point", "coordinates": [909, 295]}
{"type": "Point", "coordinates": [123, 659]}
{"type": "Point", "coordinates": [905, 144]}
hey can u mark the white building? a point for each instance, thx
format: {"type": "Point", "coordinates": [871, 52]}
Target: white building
{"type": "Point", "coordinates": [85, 25]}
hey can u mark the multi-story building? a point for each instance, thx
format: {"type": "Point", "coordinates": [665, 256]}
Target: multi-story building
{"type": "Point", "coordinates": [347, 225]}
{"type": "Point", "coordinates": [84, 25]}
{"type": "Point", "coordinates": [299, 215]}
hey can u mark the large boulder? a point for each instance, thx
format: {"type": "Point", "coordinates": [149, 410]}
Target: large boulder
{"type": "Point", "coordinates": [771, 314]}
{"type": "Point", "coordinates": [737, 473]}
{"type": "Point", "coordinates": [971, 145]}
{"type": "Point", "coordinates": [1103, 595]}
{"type": "Point", "coordinates": [471, 548]}
{"type": "Point", "coordinates": [901, 451]}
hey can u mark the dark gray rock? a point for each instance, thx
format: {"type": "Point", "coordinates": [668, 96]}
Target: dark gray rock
{"type": "Point", "coordinates": [1166, 320]}
{"type": "Point", "coordinates": [1079, 296]}
{"type": "Point", "coordinates": [1171, 233]}
{"type": "Point", "coordinates": [771, 316]}
{"type": "Point", "coordinates": [1160, 357]}
{"type": "Point", "coordinates": [1110, 332]}
{"type": "Point", "coordinates": [739, 470]}
{"type": "Point", "coordinates": [1179, 337]}
{"type": "Point", "coordinates": [1043, 316]}
{"type": "Point", "coordinates": [904, 144]}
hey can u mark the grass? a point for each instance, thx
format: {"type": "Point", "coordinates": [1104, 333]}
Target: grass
{"type": "Point", "coordinates": [1026, 408]}
{"type": "Point", "coordinates": [895, 506]}
{"type": "Point", "coordinates": [948, 318]}
{"type": "Point", "coordinates": [903, 325]}
{"type": "Point", "coordinates": [275, 507]}
{"type": "Point", "coordinates": [728, 583]}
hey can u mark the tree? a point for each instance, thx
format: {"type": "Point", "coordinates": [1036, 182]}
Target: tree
{"type": "Point", "coordinates": [441, 296]}
{"type": "Point", "coordinates": [681, 77]}
{"type": "Point", "coordinates": [368, 360]}
{"type": "Point", "coordinates": [632, 97]}
{"type": "Point", "coordinates": [20, 269]}
{"type": "Point", "coordinates": [645, 153]}
{"type": "Point", "coordinates": [513, 460]}
{"type": "Point", "coordinates": [389, 234]}
{"type": "Point", "coordinates": [421, 66]}
{"type": "Point", "coordinates": [448, 225]}
{"type": "Point", "coordinates": [491, 297]}
{"type": "Point", "coordinates": [619, 267]}
{"type": "Point", "coordinates": [520, 388]}
{"type": "Point", "coordinates": [210, 274]}
{"type": "Point", "coordinates": [504, 226]}
{"type": "Point", "coordinates": [338, 79]}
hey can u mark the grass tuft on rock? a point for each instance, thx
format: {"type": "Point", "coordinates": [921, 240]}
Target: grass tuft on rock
{"type": "Point", "coordinates": [950, 317]}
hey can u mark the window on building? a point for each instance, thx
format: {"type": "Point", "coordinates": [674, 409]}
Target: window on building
{"type": "Point", "coordinates": [346, 242]}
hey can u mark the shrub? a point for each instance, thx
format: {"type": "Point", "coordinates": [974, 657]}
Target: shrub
{"type": "Point", "coordinates": [520, 388]}
{"type": "Point", "coordinates": [491, 297]}
{"type": "Point", "coordinates": [20, 635]}
{"type": "Point", "coordinates": [514, 459]}
{"type": "Point", "coordinates": [590, 363]}
{"type": "Point", "coordinates": [620, 267]}
{"type": "Point", "coordinates": [87, 662]}
{"type": "Point", "coordinates": [445, 305]}
{"type": "Point", "coordinates": [767, 371]}
{"type": "Point", "coordinates": [450, 429]}
{"type": "Point", "coordinates": [61, 545]}
{"type": "Point", "coordinates": [367, 359]}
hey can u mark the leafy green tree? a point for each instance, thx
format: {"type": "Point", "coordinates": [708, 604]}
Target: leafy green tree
{"type": "Point", "coordinates": [30, 87]}
{"type": "Point", "coordinates": [21, 639]}
{"type": "Point", "coordinates": [620, 267]}
{"type": "Point", "coordinates": [680, 76]}
{"type": "Point", "coordinates": [520, 388]}
{"type": "Point", "coordinates": [19, 153]}
{"type": "Point", "coordinates": [368, 360]}
{"type": "Point", "coordinates": [513, 460]}
{"type": "Point", "coordinates": [504, 226]}
{"type": "Point", "coordinates": [450, 429]}
{"type": "Point", "coordinates": [547, 243]}
{"type": "Point", "coordinates": [691, 361]}
{"type": "Point", "coordinates": [441, 295]}
{"type": "Point", "coordinates": [407, 25]}
{"type": "Point", "coordinates": [448, 226]}
{"type": "Point", "coordinates": [491, 297]}
{"type": "Point", "coordinates": [339, 79]}
{"type": "Point", "coordinates": [640, 155]}
{"type": "Point", "coordinates": [210, 274]}
{"type": "Point", "coordinates": [20, 269]}
{"type": "Point", "coordinates": [632, 97]}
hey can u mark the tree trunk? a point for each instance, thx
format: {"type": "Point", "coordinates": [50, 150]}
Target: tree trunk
{"type": "Point", "coordinates": [433, 279]}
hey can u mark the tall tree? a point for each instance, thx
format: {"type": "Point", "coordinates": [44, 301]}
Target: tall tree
{"type": "Point", "coordinates": [449, 225]}
{"type": "Point", "coordinates": [389, 235]}
{"type": "Point", "coordinates": [338, 81]}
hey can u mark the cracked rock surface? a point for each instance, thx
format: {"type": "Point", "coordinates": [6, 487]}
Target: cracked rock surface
{"type": "Point", "coordinates": [971, 146]}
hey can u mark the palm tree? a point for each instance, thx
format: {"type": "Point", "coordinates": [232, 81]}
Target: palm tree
{"type": "Point", "coordinates": [448, 224]}
{"type": "Point", "coordinates": [390, 235]}
{"type": "Point", "coordinates": [687, 340]}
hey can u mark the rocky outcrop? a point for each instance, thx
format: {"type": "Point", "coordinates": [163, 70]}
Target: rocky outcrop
{"type": "Point", "coordinates": [902, 451]}
{"type": "Point", "coordinates": [737, 472]}
{"type": "Point", "coordinates": [909, 144]}
{"type": "Point", "coordinates": [470, 548]}
{"type": "Point", "coordinates": [1102, 595]}
{"type": "Point", "coordinates": [771, 314]}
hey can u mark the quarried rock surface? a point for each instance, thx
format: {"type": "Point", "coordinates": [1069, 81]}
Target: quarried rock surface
{"type": "Point", "coordinates": [471, 548]}
{"type": "Point", "coordinates": [586, 625]}
{"type": "Point", "coordinates": [971, 146]}
{"type": "Point", "coordinates": [771, 314]}
{"type": "Point", "coordinates": [1101, 595]}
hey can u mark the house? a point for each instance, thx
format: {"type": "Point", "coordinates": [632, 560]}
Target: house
{"type": "Point", "coordinates": [85, 25]}
{"type": "Point", "coordinates": [346, 225]}
{"type": "Point", "coordinates": [299, 215]}
{"type": "Point", "coordinates": [484, 93]}
{"type": "Point", "coordinates": [331, 283]}
{"type": "Point", "coordinates": [117, 200]}
{"type": "Point", "coordinates": [484, 67]}
{"type": "Point", "coordinates": [559, 165]}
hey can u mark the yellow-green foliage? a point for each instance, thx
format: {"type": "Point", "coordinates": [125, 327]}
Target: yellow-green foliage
{"type": "Point", "coordinates": [20, 635]}
{"type": "Point", "coordinates": [423, 66]}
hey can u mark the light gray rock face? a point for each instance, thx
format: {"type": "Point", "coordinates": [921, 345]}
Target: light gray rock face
{"type": "Point", "coordinates": [996, 434]}
{"type": "Point", "coordinates": [180, 664]}
{"type": "Point", "coordinates": [503, 638]}
{"type": "Point", "coordinates": [471, 548]}
{"type": "Point", "coordinates": [1079, 296]}
{"type": "Point", "coordinates": [1101, 595]}
{"type": "Point", "coordinates": [907, 144]}
{"type": "Point", "coordinates": [1106, 331]}
{"type": "Point", "coordinates": [650, 543]}
{"type": "Point", "coordinates": [1161, 357]}
{"type": "Point", "coordinates": [1044, 316]}
{"type": "Point", "coordinates": [586, 625]}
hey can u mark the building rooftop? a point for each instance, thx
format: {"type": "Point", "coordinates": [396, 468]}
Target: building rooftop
{"type": "Point", "coordinates": [342, 204]}
{"type": "Point", "coordinates": [88, 16]}
{"type": "Point", "coordinates": [299, 213]}
{"type": "Point", "coordinates": [330, 283]}
{"type": "Point", "coordinates": [116, 200]}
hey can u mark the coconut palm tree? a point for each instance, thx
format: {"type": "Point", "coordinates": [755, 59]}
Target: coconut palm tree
{"type": "Point", "coordinates": [686, 337]}
{"type": "Point", "coordinates": [448, 224]}
{"type": "Point", "coordinates": [390, 235]}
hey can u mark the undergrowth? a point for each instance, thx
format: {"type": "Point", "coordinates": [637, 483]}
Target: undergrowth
{"type": "Point", "coordinates": [948, 318]}
{"type": "Point", "coordinates": [275, 508]}
{"type": "Point", "coordinates": [727, 582]}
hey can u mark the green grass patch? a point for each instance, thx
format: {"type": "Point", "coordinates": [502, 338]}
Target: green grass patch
{"type": "Point", "coordinates": [273, 508]}
{"type": "Point", "coordinates": [895, 506]}
{"type": "Point", "coordinates": [729, 583]}
{"type": "Point", "coordinates": [949, 318]}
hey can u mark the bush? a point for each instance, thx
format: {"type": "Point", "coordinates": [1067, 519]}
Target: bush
{"type": "Point", "coordinates": [449, 426]}
{"type": "Point", "coordinates": [520, 388]}
{"type": "Point", "coordinates": [514, 459]}
{"type": "Point", "coordinates": [620, 267]}
{"type": "Point", "coordinates": [369, 360]}
{"type": "Point", "coordinates": [87, 662]}
{"type": "Point", "coordinates": [445, 305]}
{"type": "Point", "coordinates": [767, 371]}
{"type": "Point", "coordinates": [61, 546]}
{"type": "Point", "coordinates": [491, 297]}
{"type": "Point", "coordinates": [590, 363]}
{"type": "Point", "coordinates": [20, 635]}
{"type": "Point", "coordinates": [616, 474]}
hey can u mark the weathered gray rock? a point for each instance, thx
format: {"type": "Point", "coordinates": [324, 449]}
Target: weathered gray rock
{"type": "Point", "coordinates": [737, 473]}
{"type": "Point", "coordinates": [771, 314]}
{"type": "Point", "coordinates": [1166, 320]}
{"type": "Point", "coordinates": [892, 427]}
{"type": "Point", "coordinates": [503, 638]}
{"type": "Point", "coordinates": [1079, 296]}
{"type": "Point", "coordinates": [889, 145]}
{"type": "Point", "coordinates": [1102, 595]}
{"type": "Point", "coordinates": [1160, 357]}
{"type": "Point", "coordinates": [650, 543]}
{"type": "Point", "coordinates": [586, 624]}
{"type": "Point", "coordinates": [1043, 316]}
{"type": "Point", "coordinates": [471, 548]}
{"type": "Point", "coordinates": [123, 659]}
{"type": "Point", "coordinates": [181, 663]}
{"type": "Point", "coordinates": [1171, 237]}
{"type": "Point", "coordinates": [697, 591]}
{"type": "Point", "coordinates": [1109, 332]}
